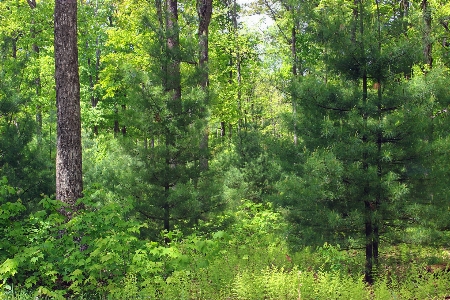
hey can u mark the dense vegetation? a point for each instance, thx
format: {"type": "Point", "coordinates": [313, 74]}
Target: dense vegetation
{"type": "Point", "coordinates": [223, 159]}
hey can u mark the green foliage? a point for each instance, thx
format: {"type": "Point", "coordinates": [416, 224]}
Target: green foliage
{"type": "Point", "coordinates": [97, 254]}
{"type": "Point", "coordinates": [269, 219]}
{"type": "Point", "coordinates": [23, 98]}
{"type": "Point", "coordinates": [10, 228]}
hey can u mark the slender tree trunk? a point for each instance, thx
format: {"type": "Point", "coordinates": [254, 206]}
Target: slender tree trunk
{"type": "Point", "coordinates": [69, 182]}
{"type": "Point", "coordinates": [230, 81]}
{"type": "Point", "coordinates": [166, 209]}
{"type": "Point", "coordinates": [294, 78]}
{"type": "Point", "coordinates": [377, 220]}
{"type": "Point", "coordinates": [222, 129]}
{"type": "Point", "coordinates": [238, 62]}
{"type": "Point", "coordinates": [93, 79]}
{"type": "Point", "coordinates": [173, 87]}
{"type": "Point", "coordinates": [204, 11]}
{"type": "Point", "coordinates": [427, 42]}
{"type": "Point", "coordinates": [404, 8]}
{"type": "Point", "coordinates": [368, 203]}
{"type": "Point", "coordinates": [124, 128]}
{"type": "Point", "coordinates": [14, 48]}
{"type": "Point", "coordinates": [173, 49]}
{"type": "Point", "coordinates": [37, 80]}
{"type": "Point", "coordinates": [116, 122]}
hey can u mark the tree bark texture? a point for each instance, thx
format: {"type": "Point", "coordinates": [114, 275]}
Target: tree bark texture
{"type": "Point", "coordinates": [69, 182]}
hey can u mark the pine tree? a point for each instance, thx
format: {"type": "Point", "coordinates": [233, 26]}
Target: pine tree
{"type": "Point", "coordinates": [154, 70]}
{"type": "Point", "coordinates": [361, 126]}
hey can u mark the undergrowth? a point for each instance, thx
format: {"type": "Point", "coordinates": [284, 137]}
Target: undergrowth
{"type": "Point", "coordinates": [249, 260]}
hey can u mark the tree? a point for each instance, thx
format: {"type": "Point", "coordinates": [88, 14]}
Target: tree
{"type": "Point", "coordinates": [362, 127]}
{"type": "Point", "coordinates": [427, 42]}
{"type": "Point", "coordinates": [204, 11]}
{"type": "Point", "coordinates": [69, 181]}
{"type": "Point", "coordinates": [23, 160]}
{"type": "Point", "coordinates": [151, 53]}
{"type": "Point", "coordinates": [94, 20]}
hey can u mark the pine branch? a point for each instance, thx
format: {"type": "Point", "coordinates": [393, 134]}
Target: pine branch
{"type": "Point", "coordinates": [333, 108]}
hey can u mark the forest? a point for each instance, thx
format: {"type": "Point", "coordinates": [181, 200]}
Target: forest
{"type": "Point", "coordinates": [224, 149]}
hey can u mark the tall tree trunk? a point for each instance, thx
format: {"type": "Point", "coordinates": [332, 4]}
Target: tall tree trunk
{"type": "Point", "coordinates": [404, 8]}
{"type": "Point", "coordinates": [427, 42]}
{"type": "Point", "coordinates": [234, 19]}
{"type": "Point", "coordinates": [378, 197]}
{"type": "Point", "coordinates": [37, 80]}
{"type": "Point", "coordinates": [204, 11]}
{"type": "Point", "coordinates": [173, 49]}
{"type": "Point", "coordinates": [69, 181]}
{"type": "Point", "coordinates": [94, 78]}
{"type": "Point", "coordinates": [294, 78]}
{"type": "Point", "coordinates": [173, 87]}
{"type": "Point", "coordinates": [368, 203]}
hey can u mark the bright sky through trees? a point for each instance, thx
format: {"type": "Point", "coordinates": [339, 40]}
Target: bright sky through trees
{"type": "Point", "coordinates": [254, 21]}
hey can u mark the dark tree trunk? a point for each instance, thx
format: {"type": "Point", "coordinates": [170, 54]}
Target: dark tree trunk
{"type": "Point", "coordinates": [124, 128]}
{"type": "Point", "coordinates": [116, 125]}
{"type": "Point", "coordinates": [94, 78]}
{"type": "Point", "coordinates": [222, 129]}
{"type": "Point", "coordinates": [294, 78]}
{"type": "Point", "coordinates": [37, 80]}
{"type": "Point", "coordinates": [204, 11]}
{"type": "Point", "coordinates": [367, 197]}
{"type": "Point", "coordinates": [173, 48]}
{"type": "Point", "coordinates": [14, 48]}
{"type": "Point", "coordinates": [69, 182]}
{"type": "Point", "coordinates": [404, 8]}
{"type": "Point", "coordinates": [427, 42]}
{"type": "Point", "coordinates": [378, 197]}
{"type": "Point", "coordinates": [172, 85]}
{"type": "Point", "coordinates": [166, 208]}
{"type": "Point", "coordinates": [234, 19]}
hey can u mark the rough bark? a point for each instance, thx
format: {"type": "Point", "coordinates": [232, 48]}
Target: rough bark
{"type": "Point", "coordinates": [69, 182]}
